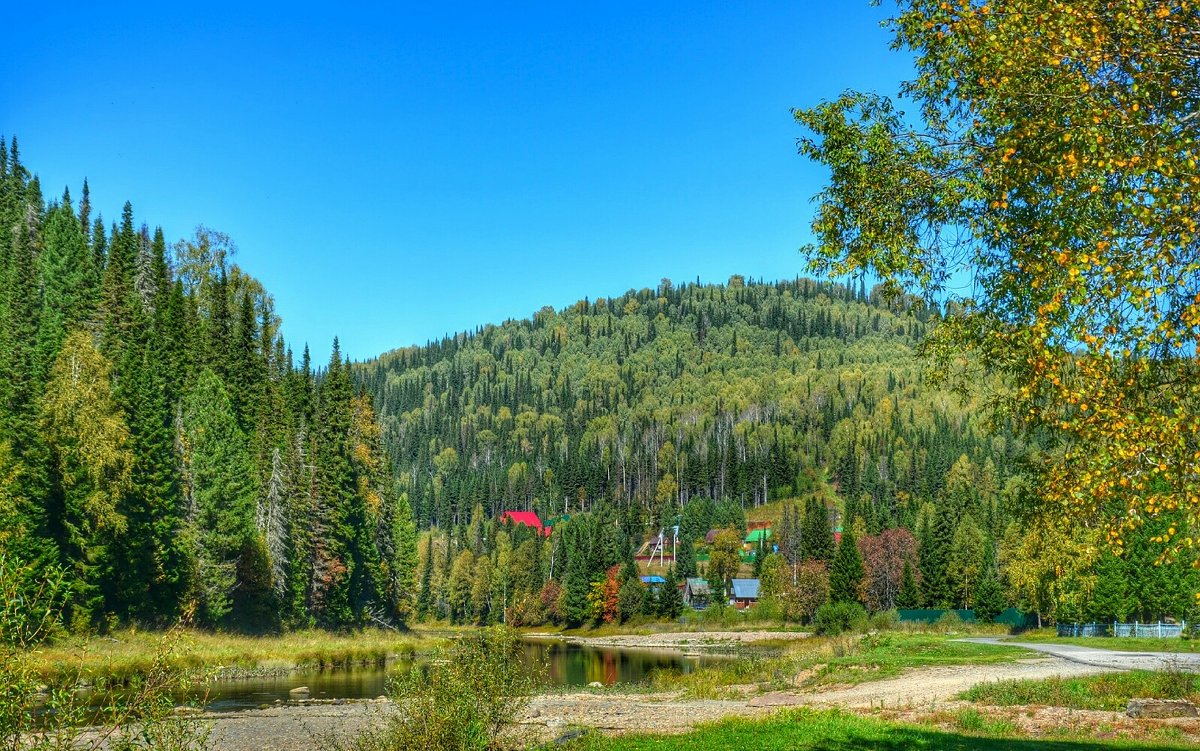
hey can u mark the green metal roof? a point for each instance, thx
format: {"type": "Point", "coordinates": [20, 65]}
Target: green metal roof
{"type": "Point", "coordinates": [759, 534]}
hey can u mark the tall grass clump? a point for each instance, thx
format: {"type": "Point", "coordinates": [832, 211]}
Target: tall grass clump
{"type": "Point", "coordinates": [466, 699]}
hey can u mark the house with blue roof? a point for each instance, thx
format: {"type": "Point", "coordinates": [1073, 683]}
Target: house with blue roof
{"type": "Point", "coordinates": [745, 593]}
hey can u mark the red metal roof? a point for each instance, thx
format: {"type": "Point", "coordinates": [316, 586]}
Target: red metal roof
{"type": "Point", "coordinates": [528, 518]}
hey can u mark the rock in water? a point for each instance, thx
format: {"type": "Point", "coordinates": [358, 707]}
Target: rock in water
{"type": "Point", "coordinates": [595, 684]}
{"type": "Point", "coordinates": [299, 692]}
{"type": "Point", "coordinates": [1159, 708]}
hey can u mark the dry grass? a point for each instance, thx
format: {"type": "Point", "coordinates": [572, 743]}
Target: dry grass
{"type": "Point", "coordinates": [121, 656]}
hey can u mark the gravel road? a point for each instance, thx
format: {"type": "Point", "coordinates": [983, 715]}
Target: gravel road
{"type": "Point", "coordinates": [1105, 658]}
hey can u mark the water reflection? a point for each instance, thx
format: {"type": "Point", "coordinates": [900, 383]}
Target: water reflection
{"type": "Point", "coordinates": [567, 665]}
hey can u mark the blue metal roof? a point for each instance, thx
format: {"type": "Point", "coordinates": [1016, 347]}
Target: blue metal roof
{"type": "Point", "coordinates": [653, 580]}
{"type": "Point", "coordinates": [745, 589]}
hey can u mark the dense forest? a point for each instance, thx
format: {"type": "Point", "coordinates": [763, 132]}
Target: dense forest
{"type": "Point", "coordinates": [669, 406]}
{"type": "Point", "coordinates": [744, 391]}
{"type": "Point", "coordinates": [159, 444]}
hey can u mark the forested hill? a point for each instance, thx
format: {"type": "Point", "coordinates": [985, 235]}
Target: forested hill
{"type": "Point", "coordinates": [744, 391]}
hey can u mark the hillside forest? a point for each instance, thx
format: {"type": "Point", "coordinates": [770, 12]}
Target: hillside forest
{"type": "Point", "coordinates": [162, 445]}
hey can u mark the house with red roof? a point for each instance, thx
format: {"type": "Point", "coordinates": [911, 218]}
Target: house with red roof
{"type": "Point", "coordinates": [528, 518]}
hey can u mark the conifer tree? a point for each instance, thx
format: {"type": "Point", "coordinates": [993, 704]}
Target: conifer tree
{"type": "Point", "coordinates": [577, 580]}
{"type": "Point", "coordinates": [989, 597]}
{"type": "Point", "coordinates": [910, 594]}
{"type": "Point", "coordinates": [69, 280]}
{"type": "Point", "coordinates": [220, 479]}
{"type": "Point", "coordinates": [816, 535]}
{"type": "Point", "coordinates": [1110, 598]}
{"type": "Point", "coordinates": [425, 591]}
{"type": "Point", "coordinates": [934, 550]}
{"type": "Point", "coordinates": [846, 572]}
{"type": "Point", "coordinates": [670, 598]}
{"type": "Point", "coordinates": [685, 557]}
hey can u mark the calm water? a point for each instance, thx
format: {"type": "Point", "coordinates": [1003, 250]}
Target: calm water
{"type": "Point", "coordinates": [568, 665]}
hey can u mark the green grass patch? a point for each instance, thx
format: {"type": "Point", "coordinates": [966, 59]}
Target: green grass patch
{"type": "Point", "coordinates": [888, 654]}
{"type": "Point", "coordinates": [1047, 636]}
{"type": "Point", "coordinates": [820, 661]}
{"type": "Point", "coordinates": [809, 730]}
{"type": "Point", "coordinates": [1111, 691]}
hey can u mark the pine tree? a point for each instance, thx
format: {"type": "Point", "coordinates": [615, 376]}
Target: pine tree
{"type": "Point", "coordinates": [152, 567]}
{"type": "Point", "coordinates": [577, 581]}
{"type": "Point", "coordinates": [846, 572]}
{"type": "Point", "coordinates": [934, 549]}
{"type": "Point", "coordinates": [340, 583]}
{"type": "Point", "coordinates": [910, 594]}
{"type": "Point", "coordinates": [685, 557]}
{"type": "Point", "coordinates": [69, 280]}
{"type": "Point", "coordinates": [425, 592]}
{"type": "Point", "coordinates": [816, 534]}
{"type": "Point", "coordinates": [220, 476]}
{"type": "Point", "coordinates": [1110, 597]}
{"type": "Point", "coordinates": [989, 597]}
{"type": "Point", "coordinates": [670, 598]}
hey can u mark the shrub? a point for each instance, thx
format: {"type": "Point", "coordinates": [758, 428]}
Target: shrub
{"type": "Point", "coordinates": [885, 620]}
{"type": "Point", "coordinates": [837, 617]}
{"type": "Point", "coordinates": [34, 717]}
{"type": "Point", "coordinates": [949, 623]}
{"type": "Point", "coordinates": [463, 700]}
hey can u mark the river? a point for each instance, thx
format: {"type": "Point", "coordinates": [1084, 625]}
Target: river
{"type": "Point", "coordinates": [568, 665]}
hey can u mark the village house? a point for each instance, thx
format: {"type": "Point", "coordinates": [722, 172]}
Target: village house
{"type": "Point", "coordinates": [696, 593]}
{"type": "Point", "coordinates": [745, 593]}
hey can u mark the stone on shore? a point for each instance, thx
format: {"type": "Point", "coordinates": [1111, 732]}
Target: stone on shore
{"type": "Point", "coordinates": [1161, 708]}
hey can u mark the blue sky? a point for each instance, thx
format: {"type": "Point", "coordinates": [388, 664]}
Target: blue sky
{"type": "Point", "coordinates": [396, 172]}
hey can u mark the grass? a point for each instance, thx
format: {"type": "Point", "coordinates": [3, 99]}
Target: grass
{"type": "Point", "coordinates": [852, 660]}
{"type": "Point", "coordinates": [809, 730]}
{"type": "Point", "coordinates": [822, 661]}
{"type": "Point", "coordinates": [121, 656]}
{"type": "Point", "coordinates": [1110, 691]}
{"type": "Point", "coordinates": [1048, 636]}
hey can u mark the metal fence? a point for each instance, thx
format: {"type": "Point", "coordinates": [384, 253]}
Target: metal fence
{"type": "Point", "coordinates": [1157, 630]}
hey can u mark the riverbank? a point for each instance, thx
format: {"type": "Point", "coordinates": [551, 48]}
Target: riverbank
{"type": "Point", "coordinates": [926, 697]}
{"type": "Point", "coordinates": [686, 641]}
{"type": "Point", "coordinates": [122, 655]}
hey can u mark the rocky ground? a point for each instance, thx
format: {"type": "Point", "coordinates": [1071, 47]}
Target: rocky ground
{"type": "Point", "coordinates": [687, 640]}
{"type": "Point", "coordinates": [920, 694]}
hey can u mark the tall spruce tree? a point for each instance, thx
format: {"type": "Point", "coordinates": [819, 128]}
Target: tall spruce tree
{"type": "Point", "coordinates": [816, 535]}
{"type": "Point", "coordinates": [220, 479]}
{"type": "Point", "coordinates": [846, 572]}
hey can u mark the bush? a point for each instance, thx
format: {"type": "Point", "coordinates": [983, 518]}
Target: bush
{"type": "Point", "coordinates": [837, 617]}
{"type": "Point", "coordinates": [34, 717]}
{"type": "Point", "coordinates": [885, 620]}
{"type": "Point", "coordinates": [949, 623]}
{"type": "Point", "coordinates": [463, 700]}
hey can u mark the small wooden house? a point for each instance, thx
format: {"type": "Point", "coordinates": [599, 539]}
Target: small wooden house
{"type": "Point", "coordinates": [696, 593]}
{"type": "Point", "coordinates": [745, 593]}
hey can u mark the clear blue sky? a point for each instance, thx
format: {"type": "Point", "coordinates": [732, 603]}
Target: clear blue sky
{"type": "Point", "coordinates": [397, 172]}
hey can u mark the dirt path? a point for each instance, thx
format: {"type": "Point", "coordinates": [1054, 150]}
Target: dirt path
{"type": "Point", "coordinates": [1104, 658]}
{"type": "Point", "coordinates": [926, 688]}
